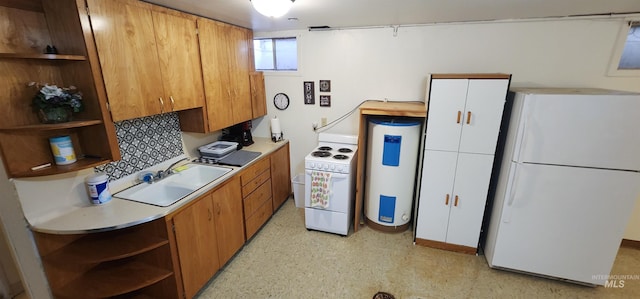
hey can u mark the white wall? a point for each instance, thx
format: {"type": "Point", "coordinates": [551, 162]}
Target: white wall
{"type": "Point", "coordinates": [374, 64]}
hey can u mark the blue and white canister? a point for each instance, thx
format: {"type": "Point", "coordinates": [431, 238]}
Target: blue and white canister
{"type": "Point", "coordinates": [62, 150]}
{"type": "Point", "coordinates": [98, 188]}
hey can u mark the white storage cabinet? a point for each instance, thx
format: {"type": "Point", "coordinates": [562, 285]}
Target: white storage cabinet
{"type": "Point", "coordinates": [463, 123]}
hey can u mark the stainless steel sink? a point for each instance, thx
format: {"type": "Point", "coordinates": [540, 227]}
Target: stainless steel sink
{"type": "Point", "coordinates": [174, 187]}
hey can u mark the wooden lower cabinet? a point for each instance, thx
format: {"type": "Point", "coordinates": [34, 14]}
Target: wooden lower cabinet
{"type": "Point", "coordinates": [128, 263]}
{"type": "Point", "coordinates": [280, 176]}
{"type": "Point", "coordinates": [171, 257]}
{"type": "Point", "coordinates": [228, 220]}
{"type": "Point", "coordinates": [208, 233]}
{"type": "Point", "coordinates": [256, 195]}
{"type": "Point", "coordinates": [197, 244]}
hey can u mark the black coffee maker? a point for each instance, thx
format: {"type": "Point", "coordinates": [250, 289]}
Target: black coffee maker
{"type": "Point", "coordinates": [240, 133]}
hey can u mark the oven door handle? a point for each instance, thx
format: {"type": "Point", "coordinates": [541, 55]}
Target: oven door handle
{"type": "Point", "coordinates": [333, 175]}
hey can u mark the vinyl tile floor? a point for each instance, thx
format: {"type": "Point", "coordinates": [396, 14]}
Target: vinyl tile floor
{"type": "Point", "coordinates": [284, 260]}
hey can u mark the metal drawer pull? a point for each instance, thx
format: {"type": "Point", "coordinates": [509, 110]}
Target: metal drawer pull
{"type": "Point", "coordinates": [446, 201]}
{"type": "Point", "coordinates": [161, 105]}
{"type": "Point", "coordinates": [468, 117]}
{"type": "Point", "coordinates": [459, 116]}
{"type": "Point", "coordinates": [455, 204]}
{"type": "Point", "coordinates": [172, 103]}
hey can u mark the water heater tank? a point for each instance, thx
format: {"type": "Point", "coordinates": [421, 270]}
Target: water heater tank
{"type": "Point", "coordinates": [392, 156]}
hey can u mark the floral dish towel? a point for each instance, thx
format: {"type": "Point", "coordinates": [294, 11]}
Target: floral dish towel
{"type": "Point", "coordinates": [320, 189]}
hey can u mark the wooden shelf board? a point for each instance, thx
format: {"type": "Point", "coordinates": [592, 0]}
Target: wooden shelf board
{"type": "Point", "coordinates": [49, 127]}
{"type": "Point", "coordinates": [43, 56]}
{"type": "Point", "coordinates": [390, 108]}
{"type": "Point", "coordinates": [81, 163]}
{"type": "Point", "coordinates": [103, 248]}
{"type": "Point", "coordinates": [112, 280]}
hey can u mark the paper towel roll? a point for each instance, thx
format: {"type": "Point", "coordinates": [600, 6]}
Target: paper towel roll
{"type": "Point", "coordinates": [275, 126]}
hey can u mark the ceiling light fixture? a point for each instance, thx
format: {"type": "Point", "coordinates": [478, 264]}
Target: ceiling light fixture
{"type": "Point", "coordinates": [272, 8]}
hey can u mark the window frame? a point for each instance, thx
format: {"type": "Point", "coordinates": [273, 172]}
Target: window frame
{"type": "Point", "coordinates": [621, 40]}
{"type": "Point", "coordinates": [273, 40]}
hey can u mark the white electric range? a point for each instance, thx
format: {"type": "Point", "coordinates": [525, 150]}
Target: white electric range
{"type": "Point", "coordinates": [330, 183]}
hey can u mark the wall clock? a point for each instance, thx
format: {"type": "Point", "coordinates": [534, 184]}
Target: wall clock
{"type": "Point", "coordinates": [281, 101]}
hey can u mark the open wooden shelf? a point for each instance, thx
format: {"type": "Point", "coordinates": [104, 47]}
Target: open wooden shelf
{"type": "Point", "coordinates": [43, 56]}
{"type": "Point", "coordinates": [81, 163]}
{"type": "Point", "coordinates": [103, 248]}
{"type": "Point", "coordinates": [48, 127]}
{"type": "Point", "coordinates": [108, 280]}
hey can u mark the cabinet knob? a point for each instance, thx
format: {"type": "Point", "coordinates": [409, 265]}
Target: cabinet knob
{"type": "Point", "coordinates": [459, 116]}
{"type": "Point", "coordinates": [172, 103]}
{"type": "Point", "coordinates": [161, 105]}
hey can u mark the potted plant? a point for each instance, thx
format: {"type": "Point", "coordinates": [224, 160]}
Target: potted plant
{"type": "Point", "coordinates": [55, 104]}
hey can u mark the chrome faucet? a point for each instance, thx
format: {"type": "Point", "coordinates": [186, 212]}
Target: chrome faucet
{"type": "Point", "coordinates": [161, 174]}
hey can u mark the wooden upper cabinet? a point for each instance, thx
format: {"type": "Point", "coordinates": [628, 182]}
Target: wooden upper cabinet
{"type": "Point", "coordinates": [258, 94]}
{"type": "Point", "coordinates": [126, 43]}
{"type": "Point", "coordinates": [214, 57]}
{"type": "Point", "coordinates": [149, 56]}
{"type": "Point", "coordinates": [226, 65]}
{"type": "Point", "coordinates": [26, 28]}
{"type": "Point", "coordinates": [179, 58]}
{"type": "Point", "coordinates": [238, 41]}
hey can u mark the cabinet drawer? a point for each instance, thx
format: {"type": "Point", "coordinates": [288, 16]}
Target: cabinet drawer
{"type": "Point", "coordinates": [253, 184]}
{"type": "Point", "coordinates": [255, 200]}
{"type": "Point", "coordinates": [258, 219]}
{"type": "Point", "coordinates": [253, 171]}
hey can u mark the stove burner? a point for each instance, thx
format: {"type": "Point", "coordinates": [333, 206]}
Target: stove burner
{"type": "Point", "coordinates": [324, 148]}
{"type": "Point", "coordinates": [341, 157]}
{"type": "Point", "coordinates": [321, 154]}
{"type": "Point", "coordinates": [345, 150]}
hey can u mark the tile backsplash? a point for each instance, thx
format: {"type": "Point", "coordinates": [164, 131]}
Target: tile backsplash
{"type": "Point", "coordinates": [145, 142]}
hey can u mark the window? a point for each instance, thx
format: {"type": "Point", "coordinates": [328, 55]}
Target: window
{"type": "Point", "coordinates": [276, 54]}
{"type": "Point", "coordinates": [630, 58]}
{"type": "Point", "coordinates": [626, 57]}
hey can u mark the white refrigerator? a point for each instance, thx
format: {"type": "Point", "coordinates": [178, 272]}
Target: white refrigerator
{"type": "Point", "coordinates": [568, 181]}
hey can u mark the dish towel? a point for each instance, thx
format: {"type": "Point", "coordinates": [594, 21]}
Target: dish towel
{"type": "Point", "coordinates": [320, 189]}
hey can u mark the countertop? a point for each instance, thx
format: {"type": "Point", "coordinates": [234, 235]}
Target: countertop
{"type": "Point", "coordinates": [120, 213]}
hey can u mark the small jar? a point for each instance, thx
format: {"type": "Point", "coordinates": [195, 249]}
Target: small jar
{"type": "Point", "coordinates": [62, 150]}
{"type": "Point", "coordinates": [98, 188]}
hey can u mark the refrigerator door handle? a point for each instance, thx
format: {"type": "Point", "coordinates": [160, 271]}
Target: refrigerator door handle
{"type": "Point", "coordinates": [513, 182]}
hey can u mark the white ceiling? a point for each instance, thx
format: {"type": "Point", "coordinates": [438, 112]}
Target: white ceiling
{"type": "Point", "coordinates": [364, 13]}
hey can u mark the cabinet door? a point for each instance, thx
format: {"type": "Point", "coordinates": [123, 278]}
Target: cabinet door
{"type": "Point", "coordinates": [229, 220]}
{"type": "Point", "coordinates": [438, 172]}
{"type": "Point", "coordinates": [215, 61]}
{"type": "Point", "coordinates": [239, 68]}
{"type": "Point", "coordinates": [280, 176]}
{"type": "Point", "coordinates": [471, 187]}
{"type": "Point", "coordinates": [483, 114]}
{"type": "Point", "coordinates": [446, 113]}
{"type": "Point", "coordinates": [126, 44]}
{"type": "Point", "coordinates": [197, 244]}
{"type": "Point", "coordinates": [179, 58]}
{"type": "Point", "coordinates": [258, 94]}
